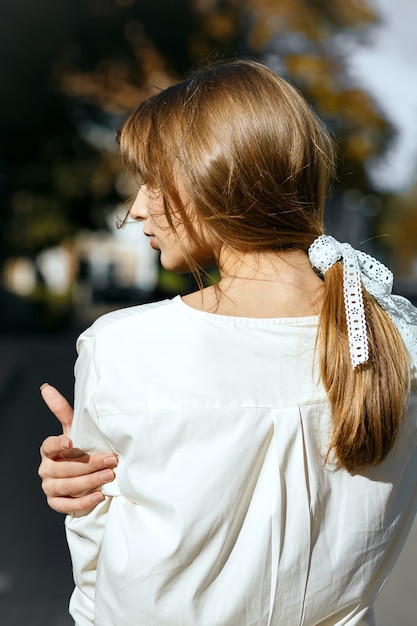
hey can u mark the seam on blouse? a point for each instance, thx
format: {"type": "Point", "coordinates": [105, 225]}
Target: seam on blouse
{"type": "Point", "coordinates": [90, 345]}
{"type": "Point", "coordinates": [269, 407]}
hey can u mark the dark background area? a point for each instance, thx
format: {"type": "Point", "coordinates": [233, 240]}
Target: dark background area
{"type": "Point", "coordinates": [35, 571]}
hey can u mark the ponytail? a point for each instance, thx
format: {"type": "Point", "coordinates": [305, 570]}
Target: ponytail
{"type": "Point", "coordinates": [368, 402]}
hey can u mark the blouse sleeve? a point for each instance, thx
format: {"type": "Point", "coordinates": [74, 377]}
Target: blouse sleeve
{"type": "Point", "coordinates": [85, 531]}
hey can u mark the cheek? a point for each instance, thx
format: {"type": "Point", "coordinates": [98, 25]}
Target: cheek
{"type": "Point", "coordinates": [159, 221]}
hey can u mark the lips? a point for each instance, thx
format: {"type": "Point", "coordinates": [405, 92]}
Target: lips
{"type": "Point", "coordinates": [153, 242]}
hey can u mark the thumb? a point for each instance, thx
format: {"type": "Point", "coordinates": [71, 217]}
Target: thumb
{"type": "Point", "coordinates": [59, 406]}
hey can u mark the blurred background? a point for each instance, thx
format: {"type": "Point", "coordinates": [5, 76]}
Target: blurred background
{"type": "Point", "coordinates": [70, 72]}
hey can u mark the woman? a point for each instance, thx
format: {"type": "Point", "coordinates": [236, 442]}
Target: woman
{"type": "Point", "coordinates": [266, 457]}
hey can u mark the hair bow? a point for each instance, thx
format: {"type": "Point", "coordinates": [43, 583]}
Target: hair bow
{"type": "Point", "coordinates": [361, 269]}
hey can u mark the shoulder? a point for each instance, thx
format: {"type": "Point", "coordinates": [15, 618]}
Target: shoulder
{"type": "Point", "coordinates": [118, 322]}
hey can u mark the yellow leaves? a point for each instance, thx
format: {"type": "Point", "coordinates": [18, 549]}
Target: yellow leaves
{"type": "Point", "coordinates": [358, 107]}
{"type": "Point", "coordinates": [115, 84]}
{"type": "Point", "coordinates": [218, 28]}
{"type": "Point", "coordinates": [270, 18]}
{"type": "Point", "coordinates": [221, 25]}
{"type": "Point", "coordinates": [359, 146]}
{"type": "Point", "coordinates": [312, 72]}
{"type": "Point", "coordinates": [360, 124]}
{"type": "Point", "coordinates": [104, 86]}
{"type": "Point", "coordinates": [302, 31]}
{"type": "Point", "coordinates": [367, 128]}
{"type": "Point", "coordinates": [400, 221]}
{"type": "Point", "coordinates": [353, 13]}
{"type": "Point", "coordinates": [316, 19]}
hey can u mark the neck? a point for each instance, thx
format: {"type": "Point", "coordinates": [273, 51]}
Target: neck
{"type": "Point", "coordinates": [264, 284]}
{"type": "Point", "coordinates": [262, 266]}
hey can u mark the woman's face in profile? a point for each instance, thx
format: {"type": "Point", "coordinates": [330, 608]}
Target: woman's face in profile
{"type": "Point", "coordinates": [148, 208]}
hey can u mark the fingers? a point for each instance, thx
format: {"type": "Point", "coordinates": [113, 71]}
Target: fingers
{"type": "Point", "coordinates": [65, 490]}
{"type": "Point", "coordinates": [56, 447]}
{"type": "Point", "coordinates": [59, 406]}
{"type": "Point", "coordinates": [71, 478]}
{"type": "Point", "coordinates": [83, 504]}
{"type": "Point", "coordinates": [79, 494]}
{"type": "Point", "coordinates": [82, 467]}
{"type": "Point", "coordinates": [78, 486]}
{"type": "Point", "coordinates": [74, 463]}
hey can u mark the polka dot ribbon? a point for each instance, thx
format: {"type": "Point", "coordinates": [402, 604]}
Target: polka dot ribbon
{"type": "Point", "coordinates": [360, 269]}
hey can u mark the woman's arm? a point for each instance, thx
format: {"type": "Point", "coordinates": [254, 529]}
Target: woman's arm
{"type": "Point", "coordinates": [71, 479]}
{"type": "Point", "coordinates": [85, 526]}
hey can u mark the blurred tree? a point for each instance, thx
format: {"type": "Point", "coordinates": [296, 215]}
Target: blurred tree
{"type": "Point", "coordinates": [71, 69]}
{"type": "Point", "coordinates": [397, 229]}
{"type": "Point", "coordinates": [307, 41]}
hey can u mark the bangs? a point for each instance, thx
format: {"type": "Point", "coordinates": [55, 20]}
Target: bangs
{"type": "Point", "coordinates": [141, 150]}
{"type": "Point", "coordinates": [151, 140]}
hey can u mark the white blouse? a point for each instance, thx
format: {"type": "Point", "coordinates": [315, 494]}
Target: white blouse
{"type": "Point", "coordinates": [224, 511]}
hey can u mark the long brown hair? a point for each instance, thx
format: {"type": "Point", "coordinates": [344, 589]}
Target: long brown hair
{"type": "Point", "coordinates": [256, 164]}
{"type": "Point", "coordinates": [368, 402]}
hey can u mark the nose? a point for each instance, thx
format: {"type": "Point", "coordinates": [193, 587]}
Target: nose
{"type": "Point", "coordinates": [138, 210]}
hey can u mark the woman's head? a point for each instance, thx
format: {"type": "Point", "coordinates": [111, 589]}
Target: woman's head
{"type": "Point", "coordinates": [244, 148]}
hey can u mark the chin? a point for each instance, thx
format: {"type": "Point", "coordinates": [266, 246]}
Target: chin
{"type": "Point", "coordinates": [177, 263]}
{"type": "Point", "coordinates": [178, 266]}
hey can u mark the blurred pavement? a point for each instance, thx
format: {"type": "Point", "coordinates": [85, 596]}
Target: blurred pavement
{"type": "Point", "coordinates": [35, 573]}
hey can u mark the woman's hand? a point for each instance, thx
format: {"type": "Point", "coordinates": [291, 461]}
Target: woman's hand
{"type": "Point", "coordinates": [71, 479]}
